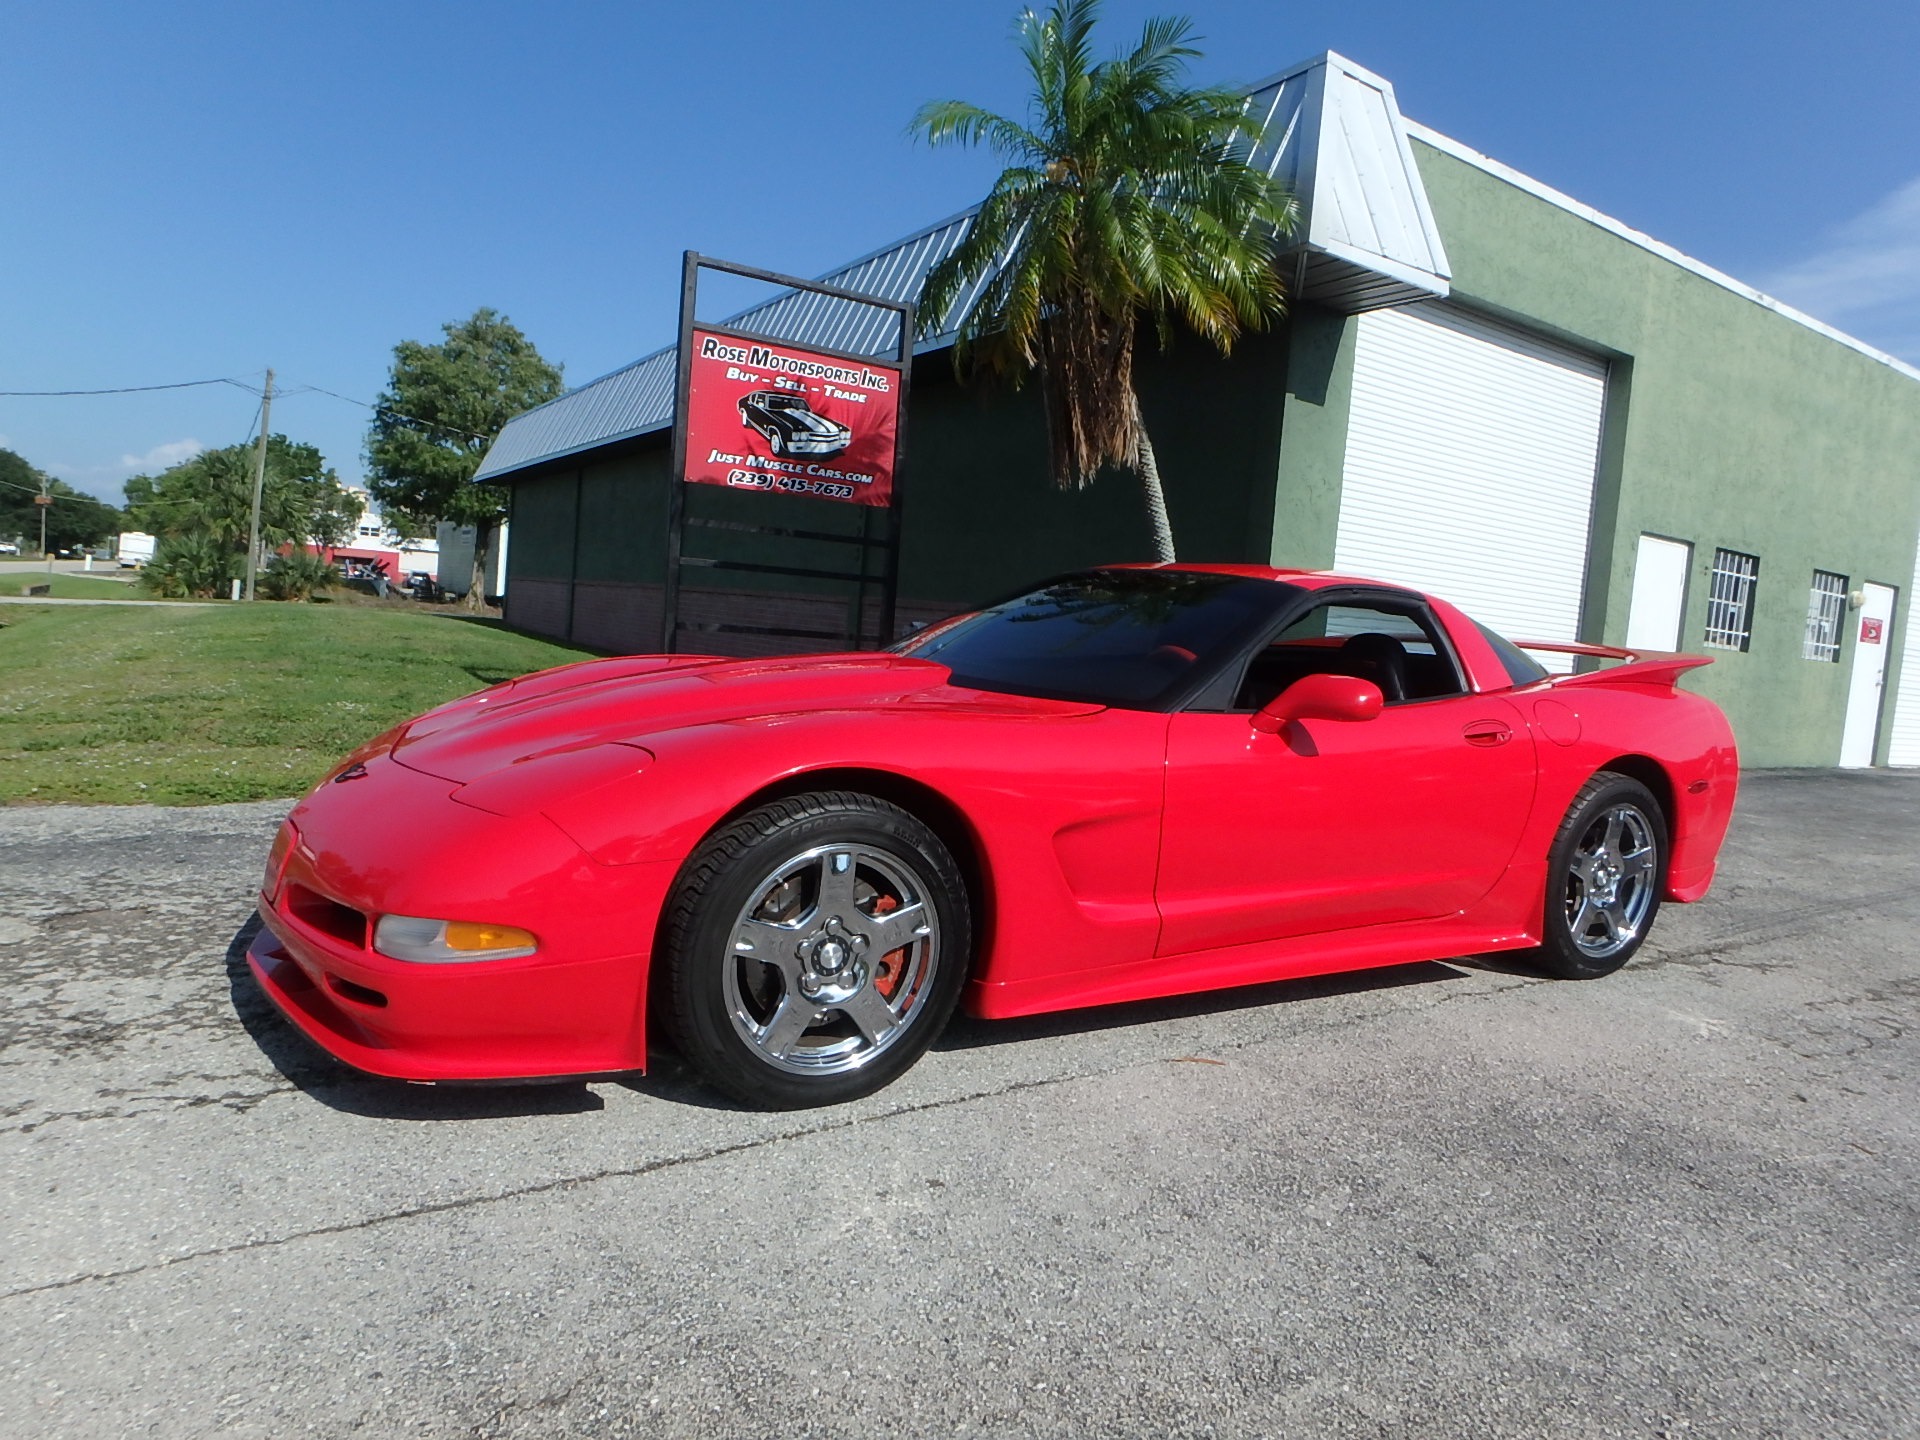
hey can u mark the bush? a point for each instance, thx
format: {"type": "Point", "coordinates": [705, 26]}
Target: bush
{"type": "Point", "coordinates": [297, 575]}
{"type": "Point", "coordinates": [190, 566]}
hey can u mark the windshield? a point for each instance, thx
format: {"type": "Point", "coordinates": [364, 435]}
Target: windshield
{"type": "Point", "coordinates": [785, 402]}
{"type": "Point", "coordinates": [1135, 639]}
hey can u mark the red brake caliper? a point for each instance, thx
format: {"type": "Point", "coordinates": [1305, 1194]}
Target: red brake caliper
{"type": "Point", "coordinates": [886, 976]}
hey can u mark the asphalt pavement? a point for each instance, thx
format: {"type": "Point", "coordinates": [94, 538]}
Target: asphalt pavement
{"type": "Point", "coordinates": [1442, 1200]}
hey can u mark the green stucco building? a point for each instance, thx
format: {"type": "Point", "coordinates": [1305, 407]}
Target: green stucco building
{"type": "Point", "coordinates": [1483, 388]}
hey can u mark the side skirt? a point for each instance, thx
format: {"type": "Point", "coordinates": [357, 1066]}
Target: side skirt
{"type": "Point", "coordinates": [1508, 918]}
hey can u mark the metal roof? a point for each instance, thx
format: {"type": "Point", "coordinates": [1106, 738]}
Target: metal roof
{"type": "Point", "coordinates": [1331, 129]}
{"type": "Point", "coordinates": [638, 398]}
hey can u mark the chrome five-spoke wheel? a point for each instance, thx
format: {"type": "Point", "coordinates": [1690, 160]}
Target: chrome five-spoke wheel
{"type": "Point", "coordinates": [1604, 876]}
{"type": "Point", "coordinates": [830, 956]}
{"type": "Point", "coordinates": [815, 948]}
{"type": "Point", "coordinates": [1610, 881]}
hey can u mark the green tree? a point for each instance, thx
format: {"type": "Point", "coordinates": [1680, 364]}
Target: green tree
{"type": "Point", "coordinates": [191, 565]}
{"type": "Point", "coordinates": [336, 516]}
{"type": "Point", "coordinates": [297, 575]}
{"type": "Point", "coordinates": [211, 496]}
{"type": "Point", "coordinates": [78, 520]}
{"type": "Point", "coordinates": [1127, 198]}
{"type": "Point", "coordinates": [440, 411]}
{"type": "Point", "coordinates": [74, 519]}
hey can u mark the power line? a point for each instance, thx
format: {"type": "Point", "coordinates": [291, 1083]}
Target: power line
{"type": "Point", "coordinates": [55, 494]}
{"type": "Point", "coordinates": [82, 495]}
{"type": "Point", "coordinates": [242, 385]}
{"type": "Point", "coordinates": [132, 389]}
{"type": "Point", "coordinates": [253, 422]}
{"type": "Point", "coordinates": [386, 410]}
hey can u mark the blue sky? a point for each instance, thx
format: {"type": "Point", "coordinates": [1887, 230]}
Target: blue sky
{"type": "Point", "coordinates": [195, 190]}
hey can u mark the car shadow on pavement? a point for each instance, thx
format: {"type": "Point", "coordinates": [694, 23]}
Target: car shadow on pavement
{"type": "Point", "coordinates": [668, 1078]}
{"type": "Point", "coordinates": [340, 1087]}
{"type": "Point", "coordinates": [967, 1033]}
{"type": "Point", "coordinates": [671, 1079]}
{"type": "Point", "coordinates": [1502, 962]}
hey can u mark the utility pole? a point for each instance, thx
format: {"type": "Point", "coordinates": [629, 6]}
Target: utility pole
{"type": "Point", "coordinates": [44, 502]}
{"type": "Point", "coordinates": [259, 479]}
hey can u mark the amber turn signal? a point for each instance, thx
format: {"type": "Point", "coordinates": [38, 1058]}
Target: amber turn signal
{"type": "Point", "coordinates": [469, 935]}
{"type": "Point", "coordinates": [431, 942]}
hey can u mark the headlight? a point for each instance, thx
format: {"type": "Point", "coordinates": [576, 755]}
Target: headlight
{"type": "Point", "coordinates": [441, 942]}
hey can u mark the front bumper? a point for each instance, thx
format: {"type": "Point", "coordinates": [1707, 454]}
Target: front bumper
{"type": "Point", "coordinates": [818, 444]}
{"type": "Point", "coordinates": [576, 1007]}
{"type": "Point", "coordinates": [455, 1028]}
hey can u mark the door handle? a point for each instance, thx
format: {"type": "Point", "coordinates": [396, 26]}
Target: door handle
{"type": "Point", "coordinates": [1487, 733]}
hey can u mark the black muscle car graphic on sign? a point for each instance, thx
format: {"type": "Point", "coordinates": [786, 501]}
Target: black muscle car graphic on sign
{"type": "Point", "coordinates": [791, 425]}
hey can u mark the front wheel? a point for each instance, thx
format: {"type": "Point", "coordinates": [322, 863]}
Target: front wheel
{"type": "Point", "coordinates": [815, 949]}
{"type": "Point", "coordinates": [1604, 876]}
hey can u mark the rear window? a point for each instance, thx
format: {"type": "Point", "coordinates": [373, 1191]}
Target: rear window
{"type": "Point", "coordinates": [1521, 668]}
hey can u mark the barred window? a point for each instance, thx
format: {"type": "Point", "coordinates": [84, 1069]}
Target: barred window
{"type": "Point", "coordinates": [1826, 605]}
{"type": "Point", "coordinates": [1730, 599]}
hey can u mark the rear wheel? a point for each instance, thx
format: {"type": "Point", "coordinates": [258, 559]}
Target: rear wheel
{"type": "Point", "coordinates": [815, 948]}
{"type": "Point", "coordinates": [1604, 876]}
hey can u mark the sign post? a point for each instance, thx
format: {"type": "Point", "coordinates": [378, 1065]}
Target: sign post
{"type": "Point", "coordinates": [760, 414]}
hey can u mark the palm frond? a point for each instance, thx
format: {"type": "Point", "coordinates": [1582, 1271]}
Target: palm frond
{"type": "Point", "coordinates": [955, 122]}
{"type": "Point", "coordinates": [1130, 200]}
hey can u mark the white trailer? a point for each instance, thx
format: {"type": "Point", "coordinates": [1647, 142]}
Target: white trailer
{"type": "Point", "coordinates": [135, 549]}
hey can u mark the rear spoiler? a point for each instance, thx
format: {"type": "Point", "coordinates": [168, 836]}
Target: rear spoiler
{"type": "Point", "coordinates": [1654, 669]}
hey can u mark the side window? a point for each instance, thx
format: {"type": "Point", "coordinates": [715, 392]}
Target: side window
{"type": "Point", "coordinates": [1394, 646]}
{"type": "Point", "coordinates": [1730, 599]}
{"type": "Point", "coordinates": [1521, 668]}
{"type": "Point", "coordinates": [1826, 609]}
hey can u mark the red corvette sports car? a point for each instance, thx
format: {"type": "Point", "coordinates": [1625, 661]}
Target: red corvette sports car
{"type": "Point", "coordinates": [1129, 782]}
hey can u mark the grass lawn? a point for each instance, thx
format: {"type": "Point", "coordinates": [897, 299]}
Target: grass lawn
{"type": "Point", "coordinates": [190, 705]}
{"type": "Point", "coordinates": [71, 587]}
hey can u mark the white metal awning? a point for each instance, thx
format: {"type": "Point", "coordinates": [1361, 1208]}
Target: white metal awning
{"type": "Point", "coordinates": [1366, 237]}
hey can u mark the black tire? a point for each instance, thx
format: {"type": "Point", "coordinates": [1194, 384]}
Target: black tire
{"type": "Point", "coordinates": [1605, 872]}
{"type": "Point", "coordinates": [776, 442]}
{"type": "Point", "coordinates": [776, 985]}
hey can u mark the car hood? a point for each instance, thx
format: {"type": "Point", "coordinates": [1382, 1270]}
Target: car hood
{"type": "Point", "coordinates": [818, 424]}
{"type": "Point", "coordinates": [625, 701]}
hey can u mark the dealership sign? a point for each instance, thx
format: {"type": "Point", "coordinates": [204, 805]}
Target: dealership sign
{"type": "Point", "coordinates": [789, 420]}
{"type": "Point", "coordinates": [775, 411]}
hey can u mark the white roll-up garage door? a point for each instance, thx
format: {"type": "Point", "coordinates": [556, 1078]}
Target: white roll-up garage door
{"type": "Point", "coordinates": [1470, 464]}
{"type": "Point", "coordinates": [1903, 744]}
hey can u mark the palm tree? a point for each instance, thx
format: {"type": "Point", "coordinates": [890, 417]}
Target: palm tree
{"type": "Point", "coordinates": [1127, 197]}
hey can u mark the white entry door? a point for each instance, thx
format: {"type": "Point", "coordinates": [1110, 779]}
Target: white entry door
{"type": "Point", "coordinates": [1872, 641]}
{"type": "Point", "coordinates": [1903, 735]}
{"type": "Point", "coordinates": [1659, 593]}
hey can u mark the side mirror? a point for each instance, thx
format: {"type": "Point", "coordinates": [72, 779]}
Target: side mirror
{"type": "Point", "coordinates": [1320, 697]}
